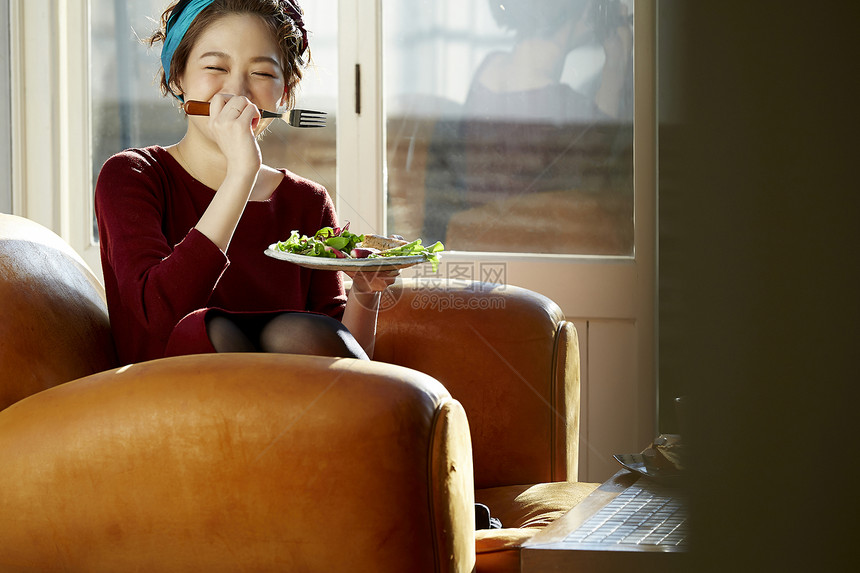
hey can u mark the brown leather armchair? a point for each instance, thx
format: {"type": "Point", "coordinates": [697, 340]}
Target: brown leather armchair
{"type": "Point", "coordinates": [265, 462]}
{"type": "Point", "coordinates": [211, 463]}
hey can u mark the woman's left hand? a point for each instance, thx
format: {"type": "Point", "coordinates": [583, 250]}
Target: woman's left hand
{"type": "Point", "coordinates": [372, 281]}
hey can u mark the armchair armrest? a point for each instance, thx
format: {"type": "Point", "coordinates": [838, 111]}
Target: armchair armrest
{"type": "Point", "coordinates": [238, 462]}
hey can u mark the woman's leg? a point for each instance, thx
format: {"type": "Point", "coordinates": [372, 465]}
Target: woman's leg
{"type": "Point", "coordinates": [287, 333]}
{"type": "Point", "coordinates": [304, 333]}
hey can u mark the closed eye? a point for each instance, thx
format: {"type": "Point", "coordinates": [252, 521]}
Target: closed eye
{"type": "Point", "coordinates": [215, 68]}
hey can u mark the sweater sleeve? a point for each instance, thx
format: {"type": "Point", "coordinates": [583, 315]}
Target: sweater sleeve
{"type": "Point", "coordinates": [150, 283]}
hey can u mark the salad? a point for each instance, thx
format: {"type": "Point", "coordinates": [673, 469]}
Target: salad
{"type": "Point", "coordinates": [341, 243]}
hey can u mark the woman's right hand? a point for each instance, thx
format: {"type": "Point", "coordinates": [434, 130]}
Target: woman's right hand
{"type": "Point", "coordinates": [231, 123]}
{"type": "Point", "coordinates": [232, 120]}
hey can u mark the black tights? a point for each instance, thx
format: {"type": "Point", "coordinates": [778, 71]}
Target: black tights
{"type": "Point", "coordinates": [288, 333]}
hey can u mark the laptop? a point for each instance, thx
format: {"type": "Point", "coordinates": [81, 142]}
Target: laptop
{"type": "Point", "coordinates": [636, 520]}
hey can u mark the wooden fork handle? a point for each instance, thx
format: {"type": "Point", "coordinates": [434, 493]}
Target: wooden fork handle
{"type": "Point", "coordinates": [193, 107]}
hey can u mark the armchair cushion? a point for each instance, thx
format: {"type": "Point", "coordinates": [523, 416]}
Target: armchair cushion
{"type": "Point", "coordinates": [523, 511]}
{"type": "Point", "coordinates": [528, 506]}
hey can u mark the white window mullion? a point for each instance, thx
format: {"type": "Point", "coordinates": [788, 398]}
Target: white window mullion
{"type": "Point", "coordinates": [35, 111]}
{"type": "Point", "coordinates": [76, 185]}
{"type": "Point", "coordinates": [360, 135]}
{"type": "Point", "coordinates": [51, 161]}
{"type": "Point", "coordinates": [5, 115]}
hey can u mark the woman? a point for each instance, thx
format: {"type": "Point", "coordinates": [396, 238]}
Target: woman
{"type": "Point", "coordinates": [183, 228]}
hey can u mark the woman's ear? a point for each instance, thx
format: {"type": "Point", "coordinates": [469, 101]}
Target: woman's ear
{"type": "Point", "coordinates": [176, 88]}
{"type": "Point", "coordinates": [285, 98]}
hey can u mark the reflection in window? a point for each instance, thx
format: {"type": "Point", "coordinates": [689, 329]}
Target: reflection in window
{"type": "Point", "coordinates": [509, 124]}
{"type": "Point", "coordinates": [128, 109]}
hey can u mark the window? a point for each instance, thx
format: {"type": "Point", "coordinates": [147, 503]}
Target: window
{"type": "Point", "coordinates": [501, 132]}
{"type": "Point", "coordinates": [485, 150]}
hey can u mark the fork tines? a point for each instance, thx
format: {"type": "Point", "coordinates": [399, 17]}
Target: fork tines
{"type": "Point", "coordinates": [306, 118]}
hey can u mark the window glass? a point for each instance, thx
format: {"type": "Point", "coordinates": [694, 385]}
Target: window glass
{"type": "Point", "coordinates": [509, 124]}
{"type": "Point", "coordinates": [128, 109]}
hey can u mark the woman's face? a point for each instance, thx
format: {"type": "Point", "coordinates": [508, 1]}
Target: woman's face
{"type": "Point", "coordinates": [235, 55]}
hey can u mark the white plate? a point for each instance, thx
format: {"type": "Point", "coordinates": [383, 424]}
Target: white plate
{"type": "Point", "coordinates": [324, 263]}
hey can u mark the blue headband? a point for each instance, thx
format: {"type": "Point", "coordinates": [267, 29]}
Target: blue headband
{"type": "Point", "coordinates": [177, 26]}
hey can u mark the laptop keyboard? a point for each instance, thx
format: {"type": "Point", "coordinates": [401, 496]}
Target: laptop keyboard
{"type": "Point", "coordinates": [645, 513]}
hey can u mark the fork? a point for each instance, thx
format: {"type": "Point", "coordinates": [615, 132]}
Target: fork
{"type": "Point", "coordinates": [294, 117]}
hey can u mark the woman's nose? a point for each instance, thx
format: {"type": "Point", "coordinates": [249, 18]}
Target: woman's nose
{"type": "Point", "coordinates": [236, 84]}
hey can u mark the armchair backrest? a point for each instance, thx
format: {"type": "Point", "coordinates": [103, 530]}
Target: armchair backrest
{"type": "Point", "coordinates": [508, 356]}
{"type": "Point", "coordinates": [54, 325]}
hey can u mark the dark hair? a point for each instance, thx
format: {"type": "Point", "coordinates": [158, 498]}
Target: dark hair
{"type": "Point", "coordinates": [287, 30]}
{"type": "Point", "coordinates": [533, 17]}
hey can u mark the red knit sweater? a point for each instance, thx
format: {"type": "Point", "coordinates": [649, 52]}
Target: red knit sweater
{"type": "Point", "coordinates": [159, 270]}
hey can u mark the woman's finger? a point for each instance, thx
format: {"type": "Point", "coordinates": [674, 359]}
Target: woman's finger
{"type": "Point", "coordinates": [251, 114]}
{"type": "Point", "coordinates": [216, 104]}
{"type": "Point", "coordinates": [373, 280]}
